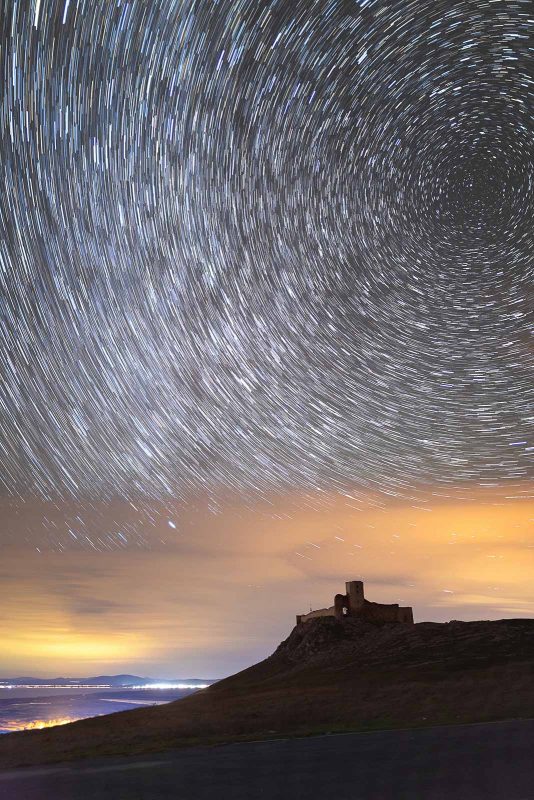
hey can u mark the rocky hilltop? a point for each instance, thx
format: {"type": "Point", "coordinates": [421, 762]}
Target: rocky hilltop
{"type": "Point", "coordinates": [459, 644]}
{"type": "Point", "coordinates": [328, 675]}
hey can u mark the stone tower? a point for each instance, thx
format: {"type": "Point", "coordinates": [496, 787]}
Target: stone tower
{"type": "Point", "coordinates": [355, 596]}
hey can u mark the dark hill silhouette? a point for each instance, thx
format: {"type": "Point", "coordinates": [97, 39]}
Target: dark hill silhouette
{"type": "Point", "coordinates": [328, 675]}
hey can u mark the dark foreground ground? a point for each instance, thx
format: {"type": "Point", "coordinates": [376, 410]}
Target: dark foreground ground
{"type": "Point", "coordinates": [473, 762]}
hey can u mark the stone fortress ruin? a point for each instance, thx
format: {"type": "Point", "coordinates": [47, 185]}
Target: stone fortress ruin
{"type": "Point", "coordinates": [353, 604]}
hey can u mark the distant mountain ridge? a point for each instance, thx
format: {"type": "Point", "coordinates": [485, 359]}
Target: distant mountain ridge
{"type": "Point", "coordinates": [98, 680]}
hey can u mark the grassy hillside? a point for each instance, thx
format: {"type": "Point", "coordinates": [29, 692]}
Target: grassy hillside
{"type": "Point", "coordinates": [327, 676]}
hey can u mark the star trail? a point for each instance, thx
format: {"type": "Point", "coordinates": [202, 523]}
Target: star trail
{"type": "Point", "coordinates": [258, 247]}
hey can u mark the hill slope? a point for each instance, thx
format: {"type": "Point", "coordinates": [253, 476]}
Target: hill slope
{"type": "Point", "coordinates": [328, 675]}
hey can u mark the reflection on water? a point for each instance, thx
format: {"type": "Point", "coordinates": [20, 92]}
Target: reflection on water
{"type": "Point", "coordinates": [45, 711]}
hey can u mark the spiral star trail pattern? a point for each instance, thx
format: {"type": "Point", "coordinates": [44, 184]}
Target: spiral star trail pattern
{"type": "Point", "coordinates": [255, 246]}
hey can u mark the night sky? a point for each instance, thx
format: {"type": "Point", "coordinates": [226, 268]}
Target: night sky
{"type": "Point", "coordinates": [265, 268]}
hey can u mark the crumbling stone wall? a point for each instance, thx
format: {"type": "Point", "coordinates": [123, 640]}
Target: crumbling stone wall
{"type": "Point", "coordinates": [321, 612]}
{"type": "Point", "coordinates": [354, 604]}
{"type": "Point", "coordinates": [379, 612]}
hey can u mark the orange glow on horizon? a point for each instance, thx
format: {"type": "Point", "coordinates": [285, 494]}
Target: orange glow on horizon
{"type": "Point", "coordinates": [38, 724]}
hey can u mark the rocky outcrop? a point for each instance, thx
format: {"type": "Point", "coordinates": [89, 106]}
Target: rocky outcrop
{"type": "Point", "coordinates": [328, 641]}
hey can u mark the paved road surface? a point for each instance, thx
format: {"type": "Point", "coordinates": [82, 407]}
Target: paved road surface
{"type": "Point", "coordinates": [476, 762]}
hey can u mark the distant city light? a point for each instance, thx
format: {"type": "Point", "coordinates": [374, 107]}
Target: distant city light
{"type": "Point", "coordinates": [60, 686]}
{"type": "Point", "coordinates": [171, 686]}
{"type": "Point", "coordinates": [103, 686]}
